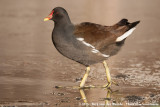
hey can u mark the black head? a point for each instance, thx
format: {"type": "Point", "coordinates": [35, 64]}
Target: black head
{"type": "Point", "coordinates": [58, 14]}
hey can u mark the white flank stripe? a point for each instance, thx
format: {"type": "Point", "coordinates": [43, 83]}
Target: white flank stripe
{"type": "Point", "coordinates": [94, 50]}
{"type": "Point", "coordinates": [105, 55]}
{"type": "Point", "coordinates": [125, 35]}
{"type": "Point", "coordinates": [88, 44]}
{"type": "Point", "coordinates": [80, 39]}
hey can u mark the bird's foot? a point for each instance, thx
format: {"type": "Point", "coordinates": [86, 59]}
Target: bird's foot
{"type": "Point", "coordinates": [58, 87]}
{"type": "Point", "coordinates": [115, 83]}
{"type": "Point", "coordinates": [77, 87]}
{"type": "Point", "coordinates": [87, 87]}
{"type": "Point", "coordinates": [108, 85]}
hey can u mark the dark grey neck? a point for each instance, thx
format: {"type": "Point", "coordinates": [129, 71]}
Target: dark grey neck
{"type": "Point", "coordinates": [63, 22]}
{"type": "Point", "coordinates": [63, 27]}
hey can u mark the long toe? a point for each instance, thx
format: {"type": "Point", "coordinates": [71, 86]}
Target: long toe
{"type": "Point", "coordinates": [108, 85]}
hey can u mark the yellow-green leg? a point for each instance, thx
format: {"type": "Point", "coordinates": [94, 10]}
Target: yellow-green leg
{"type": "Point", "coordinates": [85, 77]}
{"type": "Point", "coordinates": [108, 74]}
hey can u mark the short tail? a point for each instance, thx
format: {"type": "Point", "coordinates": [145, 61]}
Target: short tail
{"type": "Point", "coordinates": [132, 25]}
{"type": "Point", "coordinates": [130, 29]}
{"type": "Point", "coordinates": [124, 22]}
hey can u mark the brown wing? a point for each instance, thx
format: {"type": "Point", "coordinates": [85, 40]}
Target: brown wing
{"type": "Point", "coordinates": [98, 35]}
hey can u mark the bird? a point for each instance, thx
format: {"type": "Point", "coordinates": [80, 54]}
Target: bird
{"type": "Point", "coordinates": [88, 43]}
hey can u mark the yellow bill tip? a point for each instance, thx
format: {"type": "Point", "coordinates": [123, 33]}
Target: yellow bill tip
{"type": "Point", "coordinates": [46, 19]}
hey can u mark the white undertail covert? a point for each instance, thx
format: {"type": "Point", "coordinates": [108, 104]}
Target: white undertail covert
{"type": "Point", "coordinates": [126, 34]}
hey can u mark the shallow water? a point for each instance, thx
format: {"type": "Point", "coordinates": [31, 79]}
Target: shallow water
{"type": "Point", "coordinates": [30, 66]}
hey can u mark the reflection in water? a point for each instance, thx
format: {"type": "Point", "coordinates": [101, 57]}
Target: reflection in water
{"type": "Point", "coordinates": [83, 96]}
{"type": "Point", "coordinates": [107, 100]}
{"type": "Point", "coordinates": [108, 97]}
{"type": "Point", "coordinates": [117, 96]}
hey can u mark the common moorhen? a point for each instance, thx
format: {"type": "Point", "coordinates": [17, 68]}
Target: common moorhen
{"type": "Point", "coordinates": [88, 43]}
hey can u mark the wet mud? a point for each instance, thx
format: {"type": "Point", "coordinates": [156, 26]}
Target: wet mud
{"type": "Point", "coordinates": [30, 66]}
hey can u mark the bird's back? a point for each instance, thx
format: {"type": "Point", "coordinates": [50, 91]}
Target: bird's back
{"type": "Point", "coordinates": [104, 38]}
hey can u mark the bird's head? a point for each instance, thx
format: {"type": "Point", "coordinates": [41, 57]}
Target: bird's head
{"type": "Point", "coordinates": [57, 14]}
